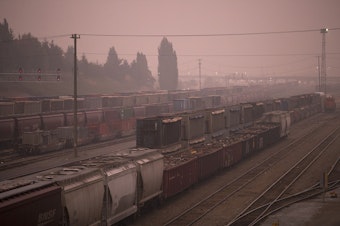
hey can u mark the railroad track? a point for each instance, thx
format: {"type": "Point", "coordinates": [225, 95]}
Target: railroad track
{"type": "Point", "coordinates": [209, 203]}
{"type": "Point", "coordinates": [14, 160]}
{"type": "Point", "coordinates": [272, 199]}
{"type": "Point", "coordinates": [311, 192]}
{"type": "Point", "coordinates": [333, 174]}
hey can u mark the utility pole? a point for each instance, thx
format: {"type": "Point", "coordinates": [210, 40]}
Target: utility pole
{"type": "Point", "coordinates": [199, 71]}
{"type": "Point", "coordinates": [323, 31]}
{"type": "Point", "coordinates": [75, 104]}
{"type": "Point", "coordinates": [319, 74]}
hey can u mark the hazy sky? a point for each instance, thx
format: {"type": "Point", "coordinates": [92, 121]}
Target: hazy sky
{"type": "Point", "coordinates": [292, 53]}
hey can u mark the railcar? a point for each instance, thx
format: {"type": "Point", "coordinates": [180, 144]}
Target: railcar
{"type": "Point", "coordinates": [159, 132]}
{"type": "Point", "coordinates": [193, 127]}
{"type": "Point", "coordinates": [26, 124]}
{"type": "Point", "coordinates": [7, 132]}
{"type": "Point", "coordinates": [150, 165]}
{"type": "Point", "coordinates": [120, 187]}
{"type": "Point", "coordinates": [109, 188]}
{"type": "Point", "coordinates": [30, 202]}
{"type": "Point", "coordinates": [111, 122]}
{"type": "Point", "coordinates": [215, 122]}
{"type": "Point", "coordinates": [6, 108]}
{"type": "Point", "coordinates": [330, 105]}
{"type": "Point", "coordinates": [82, 193]}
{"type": "Point", "coordinates": [208, 159]}
{"type": "Point", "coordinates": [39, 141]}
{"type": "Point", "coordinates": [180, 172]}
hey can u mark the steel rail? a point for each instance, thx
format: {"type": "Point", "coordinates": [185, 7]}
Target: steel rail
{"type": "Point", "coordinates": [235, 185]}
{"type": "Point", "coordinates": [296, 171]}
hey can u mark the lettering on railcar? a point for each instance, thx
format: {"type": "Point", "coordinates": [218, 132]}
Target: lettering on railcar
{"type": "Point", "coordinates": [46, 217]}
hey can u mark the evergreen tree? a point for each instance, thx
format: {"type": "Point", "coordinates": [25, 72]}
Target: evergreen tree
{"type": "Point", "coordinates": [111, 67]}
{"type": "Point", "coordinates": [167, 66]}
{"type": "Point", "coordinates": [141, 73]}
{"type": "Point", "coordinates": [6, 46]}
{"type": "Point", "coordinates": [30, 54]}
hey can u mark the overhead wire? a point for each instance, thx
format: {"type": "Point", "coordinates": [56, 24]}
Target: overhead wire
{"type": "Point", "coordinates": [207, 35]}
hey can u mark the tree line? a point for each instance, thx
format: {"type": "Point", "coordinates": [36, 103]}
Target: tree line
{"type": "Point", "coordinates": [26, 53]}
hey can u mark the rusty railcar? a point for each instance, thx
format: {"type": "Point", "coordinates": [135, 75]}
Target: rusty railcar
{"type": "Point", "coordinates": [180, 173]}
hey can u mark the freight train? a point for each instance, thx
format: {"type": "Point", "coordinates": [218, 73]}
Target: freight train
{"type": "Point", "coordinates": [46, 124]}
{"type": "Point", "coordinates": [107, 189]}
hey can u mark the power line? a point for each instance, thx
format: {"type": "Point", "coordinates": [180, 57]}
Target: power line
{"type": "Point", "coordinates": [207, 35]}
{"type": "Point", "coordinates": [222, 55]}
{"type": "Point", "coordinates": [34, 38]}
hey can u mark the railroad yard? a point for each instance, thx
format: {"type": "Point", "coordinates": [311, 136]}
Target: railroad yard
{"type": "Point", "coordinates": [173, 113]}
{"type": "Point", "coordinates": [305, 136]}
{"type": "Point", "coordinates": [252, 189]}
